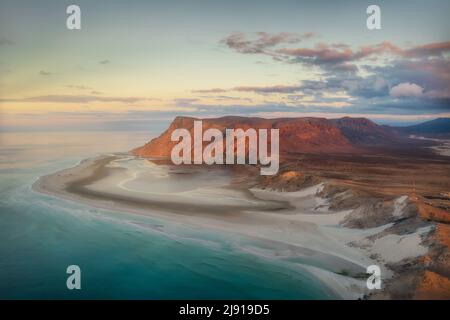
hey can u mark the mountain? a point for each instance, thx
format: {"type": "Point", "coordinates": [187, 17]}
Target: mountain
{"type": "Point", "coordinates": [363, 132]}
{"type": "Point", "coordinates": [297, 135]}
{"type": "Point", "coordinates": [439, 127]}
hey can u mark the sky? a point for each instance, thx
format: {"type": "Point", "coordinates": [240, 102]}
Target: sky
{"type": "Point", "coordinates": [136, 61]}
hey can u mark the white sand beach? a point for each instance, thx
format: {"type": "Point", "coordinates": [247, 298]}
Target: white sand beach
{"type": "Point", "coordinates": [294, 226]}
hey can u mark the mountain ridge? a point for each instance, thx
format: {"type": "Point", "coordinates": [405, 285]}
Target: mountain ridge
{"type": "Point", "coordinates": [298, 135]}
{"type": "Point", "coordinates": [439, 127]}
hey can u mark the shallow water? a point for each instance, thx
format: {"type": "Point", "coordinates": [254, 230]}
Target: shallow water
{"type": "Point", "coordinates": [120, 255]}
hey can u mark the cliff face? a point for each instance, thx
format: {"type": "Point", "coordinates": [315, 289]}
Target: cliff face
{"type": "Point", "coordinates": [297, 135]}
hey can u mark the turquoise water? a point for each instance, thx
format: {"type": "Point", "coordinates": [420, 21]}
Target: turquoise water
{"type": "Point", "coordinates": [121, 256]}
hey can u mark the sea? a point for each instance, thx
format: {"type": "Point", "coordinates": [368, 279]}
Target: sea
{"type": "Point", "coordinates": [120, 255]}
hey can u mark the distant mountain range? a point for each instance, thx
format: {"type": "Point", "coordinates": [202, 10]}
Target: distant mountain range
{"type": "Point", "coordinates": [439, 127]}
{"type": "Point", "coordinates": [309, 135]}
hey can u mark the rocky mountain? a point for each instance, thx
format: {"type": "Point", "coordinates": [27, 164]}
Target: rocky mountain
{"type": "Point", "coordinates": [439, 127]}
{"type": "Point", "coordinates": [297, 135]}
{"type": "Point", "coordinates": [363, 132]}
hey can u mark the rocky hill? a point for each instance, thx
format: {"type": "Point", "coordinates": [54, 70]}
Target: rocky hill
{"type": "Point", "coordinates": [437, 128]}
{"type": "Point", "coordinates": [297, 135]}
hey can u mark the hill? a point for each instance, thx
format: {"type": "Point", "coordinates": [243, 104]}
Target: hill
{"type": "Point", "coordinates": [297, 135]}
{"type": "Point", "coordinates": [439, 127]}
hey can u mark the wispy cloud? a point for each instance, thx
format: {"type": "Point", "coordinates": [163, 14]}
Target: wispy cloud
{"type": "Point", "coordinates": [5, 41]}
{"type": "Point", "coordinates": [231, 98]}
{"type": "Point", "coordinates": [78, 87]}
{"type": "Point", "coordinates": [255, 89]}
{"type": "Point", "coordinates": [77, 99]}
{"type": "Point", "coordinates": [262, 42]}
{"type": "Point", "coordinates": [45, 73]}
{"type": "Point", "coordinates": [184, 102]}
{"type": "Point", "coordinates": [269, 89]}
{"type": "Point", "coordinates": [337, 56]}
{"type": "Point", "coordinates": [213, 90]}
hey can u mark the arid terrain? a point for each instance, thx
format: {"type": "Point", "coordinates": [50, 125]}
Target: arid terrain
{"type": "Point", "coordinates": [348, 194]}
{"type": "Point", "coordinates": [370, 185]}
{"type": "Point", "coordinates": [385, 175]}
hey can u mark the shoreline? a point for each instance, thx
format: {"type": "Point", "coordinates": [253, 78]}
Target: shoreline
{"type": "Point", "coordinates": [293, 226]}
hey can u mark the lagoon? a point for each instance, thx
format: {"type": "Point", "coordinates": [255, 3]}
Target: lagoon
{"type": "Point", "coordinates": [122, 256]}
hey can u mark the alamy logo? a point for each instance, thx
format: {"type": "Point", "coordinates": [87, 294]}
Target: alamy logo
{"type": "Point", "coordinates": [74, 280]}
{"type": "Point", "coordinates": [73, 21]}
{"type": "Point", "coordinates": [232, 150]}
{"type": "Point", "coordinates": [374, 19]}
{"type": "Point", "coordinates": [374, 280]}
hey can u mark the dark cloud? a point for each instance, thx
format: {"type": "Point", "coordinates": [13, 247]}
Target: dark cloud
{"type": "Point", "coordinates": [106, 61]}
{"type": "Point", "coordinates": [420, 75]}
{"type": "Point", "coordinates": [268, 89]}
{"type": "Point", "coordinates": [411, 106]}
{"type": "Point", "coordinates": [371, 86]}
{"type": "Point", "coordinates": [368, 87]}
{"type": "Point", "coordinates": [255, 89]}
{"type": "Point", "coordinates": [376, 106]}
{"type": "Point", "coordinates": [262, 42]}
{"type": "Point", "coordinates": [431, 74]}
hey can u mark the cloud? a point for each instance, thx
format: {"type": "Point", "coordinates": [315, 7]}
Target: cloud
{"type": "Point", "coordinates": [184, 102]}
{"type": "Point", "coordinates": [429, 50]}
{"type": "Point", "coordinates": [214, 90]}
{"type": "Point", "coordinates": [230, 98]}
{"type": "Point", "coordinates": [268, 89]}
{"type": "Point", "coordinates": [157, 121]}
{"type": "Point", "coordinates": [433, 75]}
{"type": "Point", "coordinates": [77, 99]}
{"type": "Point", "coordinates": [321, 54]}
{"type": "Point", "coordinates": [78, 87]}
{"type": "Point", "coordinates": [5, 41]}
{"type": "Point", "coordinates": [343, 53]}
{"type": "Point", "coordinates": [335, 57]}
{"type": "Point", "coordinates": [261, 42]}
{"type": "Point", "coordinates": [367, 87]}
{"type": "Point", "coordinates": [45, 73]}
{"type": "Point", "coordinates": [419, 72]}
{"type": "Point", "coordinates": [375, 106]}
{"type": "Point", "coordinates": [83, 88]}
{"type": "Point", "coordinates": [332, 58]}
{"type": "Point", "coordinates": [406, 90]}
{"type": "Point", "coordinates": [106, 61]}
{"type": "Point", "coordinates": [255, 89]}
{"type": "Point", "coordinates": [425, 83]}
